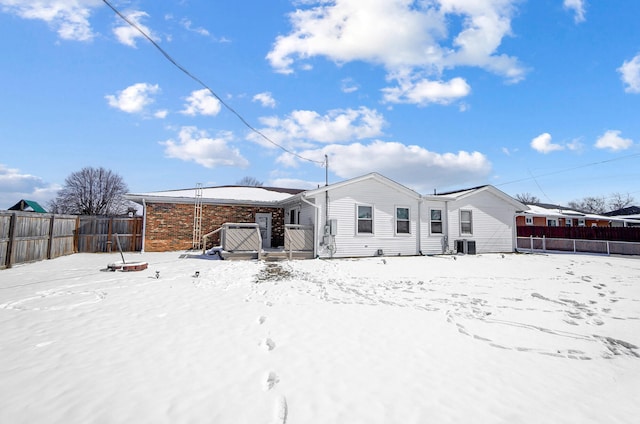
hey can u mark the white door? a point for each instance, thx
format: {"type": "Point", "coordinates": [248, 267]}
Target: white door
{"type": "Point", "coordinates": [264, 223]}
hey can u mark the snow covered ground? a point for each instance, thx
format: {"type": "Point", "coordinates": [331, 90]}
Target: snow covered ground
{"type": "Point", "coordinates": [482, 339]}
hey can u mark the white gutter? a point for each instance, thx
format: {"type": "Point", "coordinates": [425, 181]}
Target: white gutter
{"type": "Point", "coordinates": [316, 236]}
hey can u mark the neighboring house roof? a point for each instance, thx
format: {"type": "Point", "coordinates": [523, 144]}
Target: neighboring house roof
{"type": "Point", "coordinates": [461, 194]}
{"type": "Point", "coordinates": [629, 210]}
{"type": "Point", "coordinates": [28, 206]}
{"type": "Point", "coordinates": [221, 194]}
{"type": "Point", "coordinates": [555, 211]}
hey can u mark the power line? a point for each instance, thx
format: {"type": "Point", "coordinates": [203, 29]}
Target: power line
{"type": "Point", "coordinates": [532, 177]}
{"type": "Point", "coordinates": [201, 83]}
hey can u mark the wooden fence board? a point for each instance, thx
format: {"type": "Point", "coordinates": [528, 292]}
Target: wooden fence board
{"type": "Point", "coordinates": [29, 237]}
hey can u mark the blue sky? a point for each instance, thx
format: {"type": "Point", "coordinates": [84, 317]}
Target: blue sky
{"type": "Point", "coordinates": [537, 96]}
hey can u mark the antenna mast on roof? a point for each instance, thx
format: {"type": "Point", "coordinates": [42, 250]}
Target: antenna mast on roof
{"type": "Point", "coordinates": [326, 170]}
{"type": "Point", "coordinates": [197, 218]}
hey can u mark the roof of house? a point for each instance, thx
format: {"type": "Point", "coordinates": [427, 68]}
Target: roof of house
{"type": "Point", "coordinates": [549, 210]}
{"type": "Point", "coordinates": [220, 194]}
{"type": "Point", "coordinates": [371, 176]}
{"type": "Point", "coordinates": [461, 194]}
{"type": "Point", "coordinates": [28, 205]}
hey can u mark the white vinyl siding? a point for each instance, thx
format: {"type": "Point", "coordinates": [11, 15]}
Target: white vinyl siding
{"type": "Point", "coordinates": [384, 199]}
{"type": "Point", "coordinates": [493, 222]}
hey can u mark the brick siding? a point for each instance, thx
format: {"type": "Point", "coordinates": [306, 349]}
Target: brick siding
{"type": "Point", "coordinates": [169, 226]}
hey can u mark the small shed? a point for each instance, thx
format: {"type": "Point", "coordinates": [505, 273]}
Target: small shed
{"type": "Point", "coordinates": [28, 206]}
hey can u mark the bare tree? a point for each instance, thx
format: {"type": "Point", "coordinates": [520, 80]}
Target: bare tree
{"type": "Point", "coordinates": [249, 182]}
{"type": "Point", "coordinates": [91, 191]}
{"type": "Point", "coordinates": [527, 198]}
{"type": "Point", "coordinates": [619, 201]}
{"type": "Point", "coordinates": [597, 205]}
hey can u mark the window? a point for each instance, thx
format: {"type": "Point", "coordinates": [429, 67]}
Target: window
{"type": "Point", "coordinates": [436, 221]}
{"type": "Point", "coordinates": [465, 222]}
{"type": "Point", "coordinates": [365, 219]}
{"type": "Point", "coordinates": [568, 222]}
{"type": "Point", "coordinates": [528, 220]}
{"type": "Point", "coordinates": [581, 222]}
{"type": "Point", "coordinates": [294, 216]}
{"type": "Point", "coordinates": [402, 221]}
{"type": "Point", "coordinates": [552, 223]}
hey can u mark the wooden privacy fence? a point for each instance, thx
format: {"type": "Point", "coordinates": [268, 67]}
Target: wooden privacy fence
{"type": "Point", "coordinates": [29, 237]}
{"type": "Point", "coordinates": [97, 234]}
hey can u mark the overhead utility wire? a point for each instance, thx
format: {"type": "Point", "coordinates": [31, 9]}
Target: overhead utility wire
{"type": "Point", "coordinates": [200, 82]}
{"type": "Point", "coordinates": [532, 177]}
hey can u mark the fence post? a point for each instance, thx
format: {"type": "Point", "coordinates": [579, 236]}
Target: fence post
{"type": "Point", "coordinates": [50, 243]}
{"type": "Point", "coordinates": [544, 243]}
{"type": "Point", "coordinates": [12, 240]}
{"type": "Point", "coordinates": [574, 245]}
{"type": "Point", "coordinates": [608, 249]}
{"type": "Point", "coordinates": [531, 242]}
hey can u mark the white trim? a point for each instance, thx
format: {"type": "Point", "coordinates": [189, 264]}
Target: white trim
{"type": "Point", "coordinates": [462, 233]}
{"type": "Point", "coordinates": [441, 221]}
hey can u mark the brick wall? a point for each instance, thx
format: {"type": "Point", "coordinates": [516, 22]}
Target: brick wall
{"type": "Point", "coordinates": [169, 226]}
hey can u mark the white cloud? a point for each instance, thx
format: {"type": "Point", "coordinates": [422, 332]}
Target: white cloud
{"type": "Point", "coordinates": [187, 24]}
{"type": "Point", "coordinates": [135, 98]}
{"type": "Point", "coordinates": [414, 166]}
{"type": "Point", "coordinates": [611, 140]}
{"type": "Point", "coordinates": [348, 85]}
{"type": "Point", "coordinates": [302, 128]}
{"type": "Point", "coordinates": [543, 144]}
{"type": "Point", "coordinates": [70, 19]}
{"type": "Point", "coordinates": [196, 146]}
{"type": "Point", "coordinates": [402, 36]}
{"type": "Point", "coordinates": [266, 99]}
{"type": "Point", "coordinates": [578, 7]}
{"type": "Point", "coordinates": [425, 91]}
{"type": "Point", "coordinates": [16, 185]}
{"type": "Point", "coordinates": [630, 71]}
{"type": "Point", "coordinates": [294, 183]}
{"type": "Point", "coordinates": [127, 34]}
{"type": "Point", "coordinates": [202, 102]}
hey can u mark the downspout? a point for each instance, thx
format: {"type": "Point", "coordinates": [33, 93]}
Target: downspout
{"type": "Point", "coordinates": [144, 223]}
{"type": "Point", "coordinates": [445, 247]}
{"type": "Point", "coordinates": [317, 225]}
{"type": "Point", "coordinates": [419, 226]}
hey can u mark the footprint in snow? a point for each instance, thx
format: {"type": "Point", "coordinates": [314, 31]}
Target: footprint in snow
{"type": "Point", "coordinates": [268, 344]}
{"type": "Point", "coordinates": [270, 381]}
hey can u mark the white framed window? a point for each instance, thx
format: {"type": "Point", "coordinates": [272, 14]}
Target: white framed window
{"type": "Point", "coordinates": [581, 222]}
{"type": "Point", "coordinates": [568, 222]}
{"type": "Point", "coordinates": [466, 222]}
{"type": "Point", "coordinates": [364, 218]}
{"type": "Point", "coordinates": [403, 223]}
{"type": "Point", "coordinates": [528, 220]}
{"type": "Point", "coordinates": [552, 222]}
{"type": "Point", "coordinates": [294, 216]}
{"type": "Point", "coordinates": [436, 221]}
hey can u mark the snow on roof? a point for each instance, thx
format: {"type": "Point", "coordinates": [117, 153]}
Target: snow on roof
{"type": "Point", "coordinates": [231, 193]}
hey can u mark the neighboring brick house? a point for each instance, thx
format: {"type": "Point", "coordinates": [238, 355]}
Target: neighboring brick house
{"type": "Point", "coordinates": [546, 215]}
{"type": "Point", "coordinates": [169, 215]}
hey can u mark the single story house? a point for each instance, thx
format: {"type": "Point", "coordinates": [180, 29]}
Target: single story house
{"type": "Point", "coordinates": [364, 216]}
